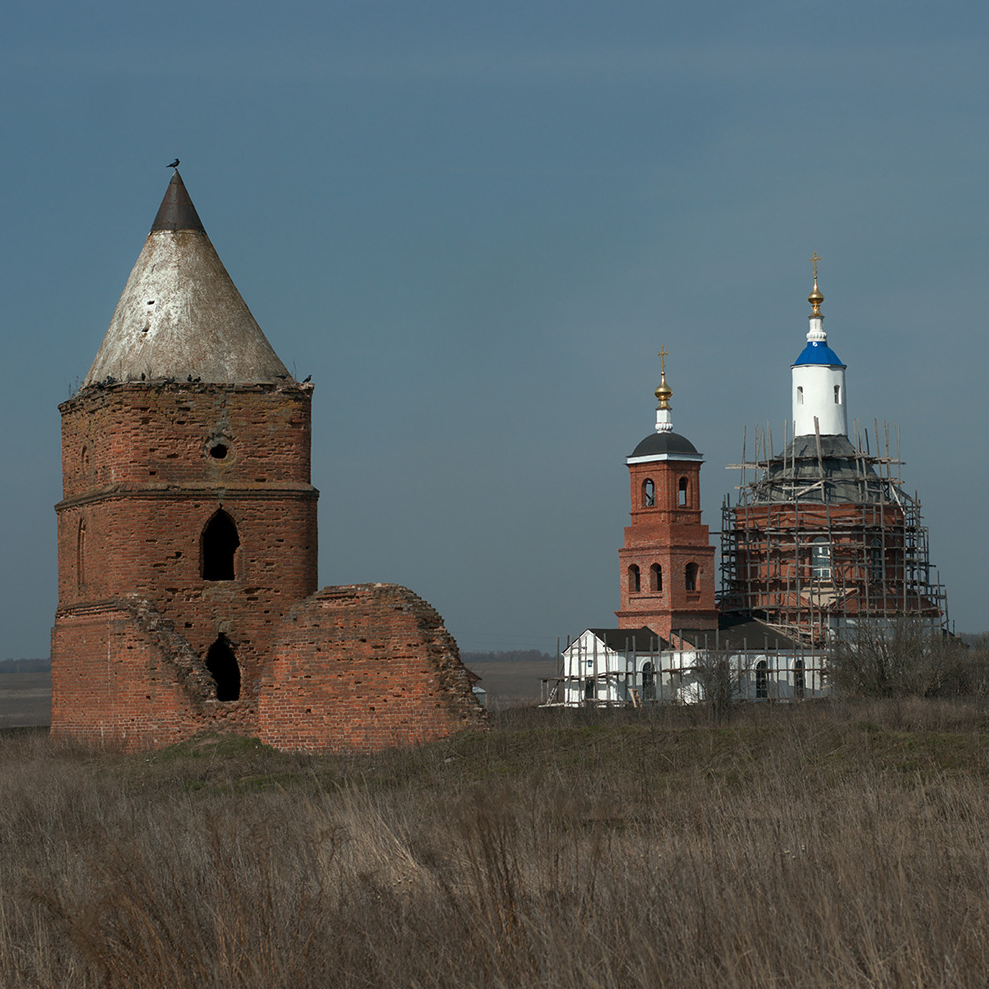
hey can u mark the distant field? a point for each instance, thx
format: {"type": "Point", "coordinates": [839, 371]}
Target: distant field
{"type": "Point", "coordinates": [508, 683]}
{"type": "Point", "coordinates": [25, 699]}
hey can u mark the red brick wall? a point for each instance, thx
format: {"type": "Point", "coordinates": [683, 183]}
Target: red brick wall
{"type": "Point", "coordinates": [124, 679]}
{"type": "Point", "coordinates": [138, 475]}
{"type": "Point", "coordinates": [364, 667]}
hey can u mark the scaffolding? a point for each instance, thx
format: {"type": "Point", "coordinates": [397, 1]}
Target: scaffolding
{"type": "Point", "coordinates": [823, 536]}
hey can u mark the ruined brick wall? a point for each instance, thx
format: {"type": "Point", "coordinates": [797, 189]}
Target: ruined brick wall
{"type": "Point", "coordinates": [364, 667]}
{"type": "Point", "coordinates": [125, 679]}
{"type": "Point", "coordinates": [145, 467]}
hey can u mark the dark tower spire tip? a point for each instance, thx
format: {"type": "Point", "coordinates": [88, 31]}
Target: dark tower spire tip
{"type": "Point", "coordinates": [176, 211]}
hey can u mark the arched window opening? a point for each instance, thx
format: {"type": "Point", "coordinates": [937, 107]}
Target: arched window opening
{"type": "Point", "coordinates": [648, 682]}
{"type": "Point", "coordinates": [634, 580]}
{"type": "Point", "coordinates": [655, 578]}
{"type": "Point", "coordinates": [690, 577]}
{"type": "Point", "coordinates": [683, 489]}
{"type": "Point", "coordinates": [219, 543]}
{"type": "Point", "coordinates": [761, 680]}
{"type": "Point", "coordinates": [820, 559]}
{"type": "Point", "coordinates": [81, 557]}
{"type": "Point", "coordinates": [800, 394]}
{"type": "Point", "coordinates": [837, 394]}
{"type": "Point", "coordinates": [876, 567]}
{"type": "Point", "coordinates": [798, 678]}
{"type": "Point", "coordinates": [648, 493]}
{"type": "Point", "coordinates": [222, 665]}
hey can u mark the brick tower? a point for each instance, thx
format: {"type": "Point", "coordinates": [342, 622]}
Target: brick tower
{"type": "Point", "coordinates": [667, 562]}
{"type": "Point", "coordinates": [187, 526]}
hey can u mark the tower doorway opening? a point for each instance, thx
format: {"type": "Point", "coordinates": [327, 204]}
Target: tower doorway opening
{"type": "Point", "coordinates": [219, 543]}
{"type": "Point", "coordinates": [222, 665]}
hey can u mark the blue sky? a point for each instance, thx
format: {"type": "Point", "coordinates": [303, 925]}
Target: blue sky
{"type": "Point", "coordinates": [475, 224]}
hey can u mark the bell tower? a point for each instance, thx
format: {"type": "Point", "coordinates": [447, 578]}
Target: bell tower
{"type": "Point", "coordinates": [667, 561]}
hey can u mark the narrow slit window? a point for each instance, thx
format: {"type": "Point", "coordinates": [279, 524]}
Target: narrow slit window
{"type": "Point", "coordinates": [655, 578]}
{"type": "Point", "coordinates": [648, 682]}
{"type": "Point", "coordinates": [81, 557]}
{"type": "Point", "coordinates": [634, 579]}
{"type": "Point", "coordinates": [800, 394]}
{"type": "Point", "coordinates": [683, 492]}
{"type": "Point", "coordinates": [648, 493]}
{"type": "Point", "coordinates": [837, 394]}
{"type": "Point", "coordinates": [690, 577]}
{"type": "Point", "coordinates": [219, 545]}
{"type": "Point", "coordinates": [761, 680]}
{"type": "Point", "coordinates": [876, 565]}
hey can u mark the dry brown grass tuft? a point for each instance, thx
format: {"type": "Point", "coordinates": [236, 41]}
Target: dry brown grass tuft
{"type": "Point", "coordinates": [819, 845]}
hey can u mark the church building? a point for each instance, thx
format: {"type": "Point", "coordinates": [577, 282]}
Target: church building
{"type": "Point", "coordinates": [821, 539]}
{"type": "Point", "coordinates": [823, 535]}
{"type": "Point", "coordinates": [187, 541]}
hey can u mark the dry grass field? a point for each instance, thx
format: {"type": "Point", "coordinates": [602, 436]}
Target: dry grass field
{"type": "Point", "coordinates": [807, 846]}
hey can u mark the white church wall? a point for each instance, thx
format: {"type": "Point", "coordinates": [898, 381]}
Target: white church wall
{"type": "Point", "coordinates": [595, 675]}
{"type": "Point", "coordinates": [814, 395]}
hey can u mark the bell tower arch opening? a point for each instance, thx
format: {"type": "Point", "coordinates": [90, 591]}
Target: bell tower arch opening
{"type": "Point", "coordinates": [223, 668]}
{"type": "Point", "coordinates": [218, 545]}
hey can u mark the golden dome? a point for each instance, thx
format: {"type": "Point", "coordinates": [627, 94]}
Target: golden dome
{"type": "Point", "coordinates": [816, 296]}
{"type": "Point", "coordinates": [664, 393]}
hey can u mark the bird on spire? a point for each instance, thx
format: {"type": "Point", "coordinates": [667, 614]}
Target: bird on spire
{"type": "Point", "coordinates": [174, 164]}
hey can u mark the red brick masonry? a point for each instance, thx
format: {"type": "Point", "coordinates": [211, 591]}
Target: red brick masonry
{"type": "Point", "coordinates": [364, 667]}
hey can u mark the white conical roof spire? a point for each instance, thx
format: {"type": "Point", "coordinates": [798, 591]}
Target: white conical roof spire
{"type": "Point", "coordinates": [180, 314]}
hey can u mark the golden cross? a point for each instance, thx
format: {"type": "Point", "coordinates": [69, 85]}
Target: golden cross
{"type": "Point", "coordinates": [662, 355]}
{"type": "Point", "coordinates": [814, 261]}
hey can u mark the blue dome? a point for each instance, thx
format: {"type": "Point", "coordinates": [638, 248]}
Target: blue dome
{"type": "Point", "coordinates": [817, 352]}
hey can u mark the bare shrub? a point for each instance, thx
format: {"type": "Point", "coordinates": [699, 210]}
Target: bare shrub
{"type": "Point", "coordinates": [903, 657]}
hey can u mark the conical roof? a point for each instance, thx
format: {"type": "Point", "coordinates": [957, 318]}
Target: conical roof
{"type": "Point", "coordinates": [180, 314]}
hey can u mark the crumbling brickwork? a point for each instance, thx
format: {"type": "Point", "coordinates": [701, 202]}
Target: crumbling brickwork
{"type": "Point", "coordinates": [187, 531]}
{"type": "Point", "coordinates": [364, 667]}
{"type": "Point", "coordinates": [145, 469]}
{"type": "Point", "coordinates": [123, 678]}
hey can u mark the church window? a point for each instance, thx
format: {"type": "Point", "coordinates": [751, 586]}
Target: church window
{"type": "Point", "coordinates": [81, 557]}
{"type": "Point", "coordinates": [222, 666]}
{"type": "Point", "coordinates": [218, 545]}
{"type": "Point", "coordinates": [648, 493]}
{"type": "Point", "coordinates": [876, 568]}
{"type": "Point", "coordinates": [634, 580]}
{"type": "Point", "coordinates": [798, 678]}
{"type": "Point", "coordinates": [837, 394]}
{"type": "Point", "coordinates": [690, 577]}
{"type": "Point", "coordinates": [648, 682]}
{"type": "Point", "coordinates": [761, 680]}
{"type": "Point", "coordinates": [655, 578]}
{"type": "Point", "coordinates": [820, 559]}
{"type": "Point", "coordinates": [800, 394]}
{"type": "Point", "coordinates": [683, 492]}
